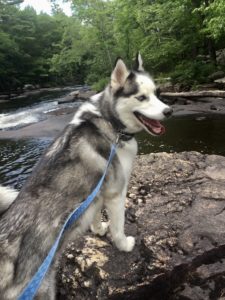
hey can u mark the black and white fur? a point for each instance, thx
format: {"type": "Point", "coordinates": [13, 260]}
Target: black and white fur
{"type": "Point", "coordinates": [68, 172]}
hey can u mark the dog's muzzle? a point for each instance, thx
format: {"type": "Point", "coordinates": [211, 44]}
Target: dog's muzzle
{"type": "Point", "coordinates": [168, 112]}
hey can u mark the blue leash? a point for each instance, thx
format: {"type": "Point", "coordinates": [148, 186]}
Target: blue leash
{"type": "Point", "coordinates": [31, 289]}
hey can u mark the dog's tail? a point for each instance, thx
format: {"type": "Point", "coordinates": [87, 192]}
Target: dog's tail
{"type": "Point", "coordinates": [7, 196]}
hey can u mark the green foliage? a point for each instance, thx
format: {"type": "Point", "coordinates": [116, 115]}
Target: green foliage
{"type": "Point", "coordinates": [100, 85]}
{"type": "Point", "coordinates": [172, 35]}
{"type": "Point", "coordinates": [27, 43]}
{"type": "Point", "coordinates": [213, 13]}
{"type": "Point", "coordinates": [192, 72]}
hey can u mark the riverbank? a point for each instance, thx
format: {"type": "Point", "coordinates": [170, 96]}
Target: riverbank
{"type": "Point", "coordinates": [56, 120]}
{"type": "Point", "coordinates": [202, 101]}
{"type": "Point", "coordinates": [175, 209]}
{"type": "Point", "coordinates": [49, 128]}
{"type": "Point", "coordinates": [32, 93]}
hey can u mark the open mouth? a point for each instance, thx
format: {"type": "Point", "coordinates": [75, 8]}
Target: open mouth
{"type": "Point", "coordinates": [152, 126]}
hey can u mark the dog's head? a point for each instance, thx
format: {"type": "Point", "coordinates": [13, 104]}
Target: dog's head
{"type": "Point", "coordinates": [134, 98]}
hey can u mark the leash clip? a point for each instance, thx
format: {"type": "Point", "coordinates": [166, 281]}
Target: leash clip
{"type": "Point", "coordinates": [118, 138]}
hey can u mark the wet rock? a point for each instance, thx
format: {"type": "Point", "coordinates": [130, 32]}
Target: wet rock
{"type": "Point", "coordinates": [213, 107]}
{"type": "Point", "coordinates": [71, 97]}
{"type": "Point", "coordinates": [4, 97]}
{"type": "Point", "coordinates": [29, 87]}
{"type": "Point", "coordinates": [86, 94]}
{"type": "Point", "coordinates": [179, 230]}
{"type": "Point", "coordinates": [216, 75]}
{"type": "Point", "coordinates": [165, 87]}
{"type": "Point", "coordinates": [181, 101]}
{"type": "Point", "coordinates": [220, 82]}
{"type": "Point", "coordinates": [77, 95]}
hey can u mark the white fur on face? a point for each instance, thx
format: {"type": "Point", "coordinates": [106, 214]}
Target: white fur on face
{"type": "Point", "coordinates": [152, 107]}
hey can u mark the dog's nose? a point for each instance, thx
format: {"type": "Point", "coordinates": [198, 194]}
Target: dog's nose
{"type": "Point", "coordinates": [168, 112]}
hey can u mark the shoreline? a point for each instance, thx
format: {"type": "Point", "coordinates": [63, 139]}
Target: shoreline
{"type": "Point", "coordinates": [57, 120]}
{"type": "Point", "coordinates": [49, 128]}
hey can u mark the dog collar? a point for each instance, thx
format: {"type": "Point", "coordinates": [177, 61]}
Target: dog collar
{"type": "Point", "coordinates": [125, 137]}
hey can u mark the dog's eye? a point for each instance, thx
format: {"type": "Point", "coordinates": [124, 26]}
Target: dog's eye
{"type": "Point", "coordinates": [141, 98]}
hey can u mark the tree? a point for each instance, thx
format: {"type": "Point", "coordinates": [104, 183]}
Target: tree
{"type": "Point", "coordinates": [177, 38]}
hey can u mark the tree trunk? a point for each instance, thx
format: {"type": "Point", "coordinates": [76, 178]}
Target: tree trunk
{"type": "Point", "coordinates": [197, 94]}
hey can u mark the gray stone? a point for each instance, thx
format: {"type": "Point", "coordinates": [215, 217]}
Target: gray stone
{"type": "Point", "coordinates": [76, 95]}
{"type": "Point", "coordinates": [180, 236]}
{"type": "Point", "coordinates": [220, 57]}
{"type": "Point", "coordinates": [29, 87]}
{"type": "Point", "coordinates": [216, 75]}
{"type": "Point", "coordinates": [220, 83]}
{"type": "Point", "coordinates": [221, 80]}
{"type": "Point", "coordinates": [213, 107]}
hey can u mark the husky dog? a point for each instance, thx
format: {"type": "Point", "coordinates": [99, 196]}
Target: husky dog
{"type": "Point", "coordinates": [67, 173]}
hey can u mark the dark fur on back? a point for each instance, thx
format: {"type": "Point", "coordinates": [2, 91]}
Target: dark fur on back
{"type": "Point", "coordinates": [59, 182]}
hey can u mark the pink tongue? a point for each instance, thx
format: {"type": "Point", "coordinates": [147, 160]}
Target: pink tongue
{"type": "Point", "coordinates": [156, 126]}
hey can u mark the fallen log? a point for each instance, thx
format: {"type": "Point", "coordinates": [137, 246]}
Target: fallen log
{"type": "Point", "coordinates": [195, 94]}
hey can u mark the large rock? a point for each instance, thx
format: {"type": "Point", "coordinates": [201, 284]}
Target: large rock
{"type": "Point", "coordinates": [216, 75]}
{"type": "Point", "coordinates": [77, 95]}
{"type": "Point", "coordinates": [220, 57]}
{"type": "Point", "coordinates": [71, 97]}
{"type": "Point", "coordinates": [176, 210]}
{"type": "Point", "coordinates": [220, 83]}
{"type": "Point", "coordinates": [29, 87]}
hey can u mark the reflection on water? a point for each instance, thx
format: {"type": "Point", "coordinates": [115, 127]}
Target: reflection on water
{"type": "Point", "coordinates": [205, 135]}
{"type": "Point", "coordinates": [17, 158]}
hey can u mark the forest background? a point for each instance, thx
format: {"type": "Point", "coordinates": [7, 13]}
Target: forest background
{"type": "Point", "coordinates": [180, 39]}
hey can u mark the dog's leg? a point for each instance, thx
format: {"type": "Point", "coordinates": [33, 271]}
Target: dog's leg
{"type": "Point", "coordinates": [116, 211]}
{"type": "Point", "coordinates": [99, 227]}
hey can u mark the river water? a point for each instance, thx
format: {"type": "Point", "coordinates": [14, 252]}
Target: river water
{"type": "Point", "coordinates": [205, 134]}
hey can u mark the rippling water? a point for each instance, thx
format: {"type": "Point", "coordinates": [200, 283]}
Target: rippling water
{"type": "Point", "coordinates": [29, 112]}
{"type": "Point", "coordinates": [17, 159]}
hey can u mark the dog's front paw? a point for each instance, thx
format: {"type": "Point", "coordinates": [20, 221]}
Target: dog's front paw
{"type": "Point", "coordinates": [101, 229]}
{"type": "Point", "coordinates": [127, 244]}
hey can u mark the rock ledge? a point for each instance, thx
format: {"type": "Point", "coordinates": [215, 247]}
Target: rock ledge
{"type": "Point", "coordinates": [176, 210]}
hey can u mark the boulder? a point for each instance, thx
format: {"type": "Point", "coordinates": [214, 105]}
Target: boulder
{"type": "Point", "coordinates": [74, 94]}
{"type": "Point", "coordinates": [220, 80]}
{"type": "Point", "coordinates": [86, 94]}
{"type": "Point", "coordinates": [216, 75]}
{"type": "Point", "coordinates": [166, 87]}
{"type": "Point", "coordinates": [176, 211]}
{"type": "Point", "coordinates": [220, 57]}
{"type": "Point", "coordinates": [71, 97]}
{"type": "Point", "coordinates": [4, 97]}
{"type": "Point", "coordinates": [29, 87]}
{"type": "Point", "coordinates": [213, 107]}
{"type": "Point", "coordinates": [77, 95]}
{"type": "Point", "coordinates": [220, 83]}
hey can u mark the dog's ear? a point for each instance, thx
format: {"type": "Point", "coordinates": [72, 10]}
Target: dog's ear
{"type": "Point", "coordinates": [139, 63]}
{"type": "Point", "coordinates": [119, 75]}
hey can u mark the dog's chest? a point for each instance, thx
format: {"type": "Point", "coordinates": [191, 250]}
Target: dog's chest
{"type": "Point", "coordinates": [126, 155]}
